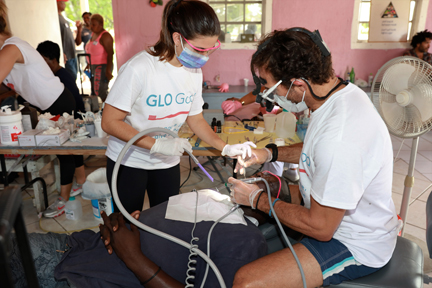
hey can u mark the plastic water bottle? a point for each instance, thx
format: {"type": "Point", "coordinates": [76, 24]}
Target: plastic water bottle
{"type": "Point", "coordinates": [73, 209]}
{"type": "Point", "coordinates": [285, 124]}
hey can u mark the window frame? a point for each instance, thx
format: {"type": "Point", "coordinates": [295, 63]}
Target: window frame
{"type": "Point", "coordinates": [267, 6]}
{"type": "Point", "coordinates": [418, 24]}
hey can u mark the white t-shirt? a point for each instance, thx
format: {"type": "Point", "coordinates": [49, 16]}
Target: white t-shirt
{"type": "Point", "coordinates": [156, 94]}
{"type": "Point", "coordinates": [33, 80]}
{"type": "Point", "coordinates": [347, 163]}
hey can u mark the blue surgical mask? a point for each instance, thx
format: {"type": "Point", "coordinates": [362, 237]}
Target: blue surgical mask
{"type": "Point", "coordinates": [290, 106]}
{"type": "Point", "coordinates": [191, 59]}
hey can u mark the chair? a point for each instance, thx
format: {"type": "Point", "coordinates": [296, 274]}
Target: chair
{"type": "Point", "coordinates": [404, 270]}
{"type": "Point", "coordinates": [11, 217]}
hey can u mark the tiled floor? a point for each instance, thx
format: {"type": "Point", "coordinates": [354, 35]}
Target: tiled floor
{"type": "Point", "coordinates": [415, 227]}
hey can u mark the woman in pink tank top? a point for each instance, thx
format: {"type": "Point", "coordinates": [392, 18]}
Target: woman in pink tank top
{"type": "Point", "coordinates": [100, 48]}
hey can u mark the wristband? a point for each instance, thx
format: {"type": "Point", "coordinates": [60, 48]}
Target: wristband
{"type": "Point", "coordinates": [252, 197]}
{"type": "Point", "coordinates": [154, 275]}
{"type": "Point", "coordinates": [274, 151]}
{"type": "Point", "coordinates": [270, 212]}
{"type": "Point", "coordinates": [259, 196]}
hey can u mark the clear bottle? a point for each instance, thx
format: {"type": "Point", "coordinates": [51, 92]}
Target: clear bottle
{"type": "Point", "coordinates": [228, 37]}
{"type": "Point", "coordinates": [370, 79]}
{"type": "Point", "coordinates": [73, 209]}
{"type": "Point", "coordinates": [285, 124]}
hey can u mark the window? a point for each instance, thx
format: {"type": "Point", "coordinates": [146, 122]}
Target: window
{"type": "Point", "coordinates": [360, 27]}
{"type": "Point", "coordinates": [241, 18]}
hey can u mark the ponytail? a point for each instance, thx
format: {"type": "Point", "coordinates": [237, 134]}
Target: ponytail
{"type": "Point", "coordinates": [190, 18]}
{"type": "Point", "coordinates": [3, 15]}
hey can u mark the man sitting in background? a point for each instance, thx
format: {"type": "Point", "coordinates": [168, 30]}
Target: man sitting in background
{"type": "Point", "coordinates": [50, 51]}
{"type": "Point", "coordinates": [421, 44]}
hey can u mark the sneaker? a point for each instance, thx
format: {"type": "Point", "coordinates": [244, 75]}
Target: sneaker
{"type": "Point", "coordinates": [76, 189]}
{"type": "Point", "coordinates": [55, 209]}
{"type": "Point", "coordinates": [291, 174]}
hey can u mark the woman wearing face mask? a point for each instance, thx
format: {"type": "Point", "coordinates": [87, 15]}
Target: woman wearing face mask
{"type": "Point", "coordinates": [161, 87]}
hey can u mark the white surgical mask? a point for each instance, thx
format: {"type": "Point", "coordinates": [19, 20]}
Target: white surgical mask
{"type": "Point", "coordinates": [290, 106]}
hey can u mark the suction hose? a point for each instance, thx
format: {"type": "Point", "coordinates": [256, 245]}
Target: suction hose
{"type": "Point", "coordinates": [143, 226]}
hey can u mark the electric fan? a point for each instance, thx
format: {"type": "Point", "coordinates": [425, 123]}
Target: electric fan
{"type": "Point", "coordinates": [402, 94]}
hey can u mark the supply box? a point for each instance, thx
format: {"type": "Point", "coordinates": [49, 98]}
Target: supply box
{"type": "Point", "coordinates": [28, 138]}
{"type": "Point", "coordinates": [53, 139]}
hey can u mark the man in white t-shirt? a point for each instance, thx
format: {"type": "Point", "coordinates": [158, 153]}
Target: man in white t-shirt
{"type": "Point", "coordinates": [345, 166]}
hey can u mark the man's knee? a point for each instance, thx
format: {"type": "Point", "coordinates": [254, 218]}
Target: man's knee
{"type": "Point", "coordinates": [241, 279]}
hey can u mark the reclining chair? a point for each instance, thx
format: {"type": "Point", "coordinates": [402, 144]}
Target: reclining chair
{"type": "Point", "coordinates": [404, 270]}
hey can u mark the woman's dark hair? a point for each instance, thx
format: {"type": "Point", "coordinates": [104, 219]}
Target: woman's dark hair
{"type": "Point", "coordinates": [190, 18]}
{"type": "Point", "coordinates": [292, 54]}
{"type": "Point", "coordinates": [86, 13]}
{"type": "Point", "coordinates": [3, 15]}
{"type": "Point", "coordinates": [49, 49]}
{"type": "Point", "coordinates": [420, 37]}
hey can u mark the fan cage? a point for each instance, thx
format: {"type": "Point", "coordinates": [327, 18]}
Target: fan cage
{"type": "Point", "coordinates": [407, 124]}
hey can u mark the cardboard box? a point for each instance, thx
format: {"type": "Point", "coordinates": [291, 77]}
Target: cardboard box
{"type": "Point", "coordinates": [53, 139]}
{"type": "Point", "coordinates": [28, 138]}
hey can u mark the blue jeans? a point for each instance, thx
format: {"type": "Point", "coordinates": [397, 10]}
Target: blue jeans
{"type": "Point", "coordinates": [45, 254]}
{"type": "Point", "coordinates": [71, 66]}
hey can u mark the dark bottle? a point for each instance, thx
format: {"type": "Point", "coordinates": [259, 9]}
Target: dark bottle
{"type": "Point", "coordinates": [219, 127]}
{"type": "Point", "coordinates": [213, 124]}
{"type": "Point", "coordinates": [29, 117]}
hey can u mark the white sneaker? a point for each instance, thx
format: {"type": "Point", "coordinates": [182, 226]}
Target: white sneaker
{"type": "Point", "coordinates": [76, 189]}
{"type": "Point", "coordinates": [55, 209]}
{"type": "Point", "coordinates": [291, 174]}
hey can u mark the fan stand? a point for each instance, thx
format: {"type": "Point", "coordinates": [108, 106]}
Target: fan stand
{"type": "Point", "coordinates": [409, 183]}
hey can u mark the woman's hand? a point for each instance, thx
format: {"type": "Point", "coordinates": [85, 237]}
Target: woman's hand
{"type": "Point", "coordinates": [111, 223]}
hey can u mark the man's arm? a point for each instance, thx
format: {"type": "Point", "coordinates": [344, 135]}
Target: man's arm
{"type": "Point", "coordinates": [319, 222]}
{"type": "Point", "coordinates": [107, 42]}
{"type": "Point", "coordinates": [78, 39]}
{"type": "Point", "coordinates": [126, 243]}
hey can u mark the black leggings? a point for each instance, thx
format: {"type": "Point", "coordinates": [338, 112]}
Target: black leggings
{"type": "Point", "coordinates": [133, 182]}
{"type": "Point", "coordinates": [66, 103]}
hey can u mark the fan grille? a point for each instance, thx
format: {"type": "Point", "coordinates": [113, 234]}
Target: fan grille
{"type": "Point", "coordinates": [404, 74]}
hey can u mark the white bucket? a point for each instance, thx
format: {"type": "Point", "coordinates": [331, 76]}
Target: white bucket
{"type": "Point", "coordinates": [10, 126]}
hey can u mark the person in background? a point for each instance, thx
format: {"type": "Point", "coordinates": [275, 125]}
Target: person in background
{"type": "Point", "coordinates": [101, 51]}
{"type": "Point", "coordinates": [421, 44]}
{"type": "Point", "coordinates": [24, 70]}
{"type": "Point", "coordinates": [83, 30]}
{"type": "Point", "coordinates": [50, 51]}
{"type": "Point", "coordinates": [162, 88]}
{"type": "Point", "coordinates": [68, 41]}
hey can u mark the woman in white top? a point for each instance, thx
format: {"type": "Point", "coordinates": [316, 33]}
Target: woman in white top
{"type": "Point", "coordinates": [24, 70]}
{"type": "Point", "coordinates": [162, 87]}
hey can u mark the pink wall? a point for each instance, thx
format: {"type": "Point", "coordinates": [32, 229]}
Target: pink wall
{"type": "Point", "coordinates": [137, 25]}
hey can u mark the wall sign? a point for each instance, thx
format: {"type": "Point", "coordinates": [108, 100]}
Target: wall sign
{"type": "Point", "coordinates": [389, 20]}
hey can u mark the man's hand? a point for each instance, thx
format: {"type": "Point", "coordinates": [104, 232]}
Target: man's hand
{"type": "Point", "coordinates": [111, 223]}
{"type": "Point", "coordinates": [258, 156]}
{"type": "Point", "coordinates": [124, 242]}
{"type": "Point", "coordinates": [242, 191]}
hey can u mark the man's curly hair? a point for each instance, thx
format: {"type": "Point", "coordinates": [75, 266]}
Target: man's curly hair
{"type": "Point", "coordinates": [420, 37]}
{"type": "Point", "coordinates": [293, 54]}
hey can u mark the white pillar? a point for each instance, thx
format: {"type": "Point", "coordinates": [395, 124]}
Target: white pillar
{"type": "Point", "coordinates": [84, 6]}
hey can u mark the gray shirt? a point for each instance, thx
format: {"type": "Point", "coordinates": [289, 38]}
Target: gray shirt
{"type": "Point", "coordinates": [68, 41]}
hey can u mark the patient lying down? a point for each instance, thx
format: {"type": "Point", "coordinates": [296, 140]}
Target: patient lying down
{"type": "Point", "coordinates": [82, 260]}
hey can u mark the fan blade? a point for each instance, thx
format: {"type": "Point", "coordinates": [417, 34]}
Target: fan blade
{"type": "Point", "coordinates": [392, 113]}
{"type": "Point", "coordinates": [386, 96]}
{"type": "Point", "coordinates": [422, 100]}
{"type": "Point", "coordinates": [413, 120]}
{"type": "Point", "coordinates": [396, 78]}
